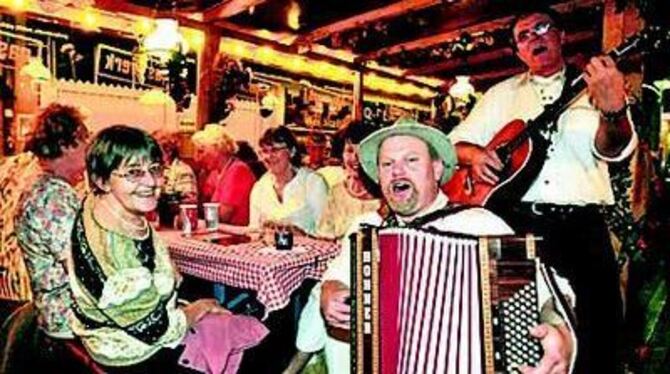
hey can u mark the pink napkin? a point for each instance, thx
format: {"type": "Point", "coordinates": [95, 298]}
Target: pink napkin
{"type": "Point", "coordinates": [216, 343]}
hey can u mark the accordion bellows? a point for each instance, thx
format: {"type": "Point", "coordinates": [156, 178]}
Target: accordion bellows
{"type": "Point", "coordinates": [426, 302]}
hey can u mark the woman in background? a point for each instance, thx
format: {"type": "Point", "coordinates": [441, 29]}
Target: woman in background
{"type": "Point", "coordinates": [180, 178]}
{"type": "Point", "coordinates": [43, 223]}
{"type": "Point", "coordinates": [287, 193]}
{"type": "Point", "coordinates": [225, 179]}
{"type": "Point", "coordinates": [356, 193]}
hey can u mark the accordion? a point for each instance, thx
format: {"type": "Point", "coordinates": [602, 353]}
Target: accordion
{"type": "Point", "coordinates": [429, 302]}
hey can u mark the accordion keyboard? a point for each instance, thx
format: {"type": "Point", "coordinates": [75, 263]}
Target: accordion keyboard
{"type": "Point", "coordinates": [516, 316]}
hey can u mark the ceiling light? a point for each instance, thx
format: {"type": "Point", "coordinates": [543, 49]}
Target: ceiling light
{"type": "Point", "coordinates": [293, 16]}
{"type": "Point", "coordinates": [18, 5]}
{"type": "Point", "coordinates": [89, 19]}
{"type": "Point", "coordinates": [164, 40]}
{"type": "Point", "coordinates": [462, 88]}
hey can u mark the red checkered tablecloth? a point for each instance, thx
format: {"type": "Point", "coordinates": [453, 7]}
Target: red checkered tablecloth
{"type": "Point", "coordinates": [273, 274]}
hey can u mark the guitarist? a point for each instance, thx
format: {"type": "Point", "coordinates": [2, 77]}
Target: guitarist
{"type": "Point", "coordinates": [563, 203]}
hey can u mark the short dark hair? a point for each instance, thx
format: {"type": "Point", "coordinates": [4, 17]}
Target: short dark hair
{"type": "Point", "coordinates": [114, 146]}
{"type": "Point", "coordinates": [540, 8]}
{"type": "Point", "coordinates": [56, 128]}
{"type": "Point", "coordinates": [354, 133]}
{"type": "Point", "coordinates": [283, 135]}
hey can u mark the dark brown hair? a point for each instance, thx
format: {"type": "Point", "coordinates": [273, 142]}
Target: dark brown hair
{"type": "Point", "coordinates": [56, 128]}
{"type": "Point", "coordinates": [282, 135]}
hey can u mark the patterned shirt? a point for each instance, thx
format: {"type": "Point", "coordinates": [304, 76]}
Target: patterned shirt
{"type": "Point", "coordinates": [17, 173]}
{"type": "Point", "coordinates": [341, 209]}
{"type": "Point", "coordinates": [133, 287]}
{"type": "Point", "coordinates": [43, 226]}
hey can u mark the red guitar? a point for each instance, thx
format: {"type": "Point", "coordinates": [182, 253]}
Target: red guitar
{"type": "Point", "coordinates": [522, 148]}
{"type": "Point", "coordinates": [462, 188]}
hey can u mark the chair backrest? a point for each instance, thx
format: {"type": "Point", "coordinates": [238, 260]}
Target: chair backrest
{"type": "Point", "coordinates": [16, 337]}
{"type": "Point", "coordinates": [21, 345]}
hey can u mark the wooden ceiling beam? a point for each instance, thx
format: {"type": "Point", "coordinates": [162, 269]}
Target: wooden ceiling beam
{"type": "Point", "coordinates": [279, 47]}
{"type": "Point", "coordinates": [488, 56]}
{"type": "Point", "coordinates": [116, 6]}
{"type": "Point", "coordinates": [472, 22]}
{"type": "Point", "coordinates": [228, 8]}
{"type": "Point", "coordinates": [457, 62]}
{"type": "Point", "coordinates": [390, 11]}
{"type": "Point", "coordinates": [436, 39]}
{"type": "Point", "coordinates": [187, 19]}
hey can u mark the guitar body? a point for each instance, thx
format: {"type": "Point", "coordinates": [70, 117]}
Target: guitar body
{"type": "Point", "coordinates": [463, 189]}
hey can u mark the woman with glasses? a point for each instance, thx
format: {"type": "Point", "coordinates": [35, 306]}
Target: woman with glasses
{"type": "Point", "coordinates": [288, 193]}
{"type": "Point", "coordinates": [122, 279]}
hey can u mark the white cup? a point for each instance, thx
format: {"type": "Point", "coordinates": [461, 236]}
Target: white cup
{"type": "Point", "coordinates": [211, 215]}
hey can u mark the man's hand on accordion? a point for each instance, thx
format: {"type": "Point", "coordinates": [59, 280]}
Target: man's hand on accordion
{"type": "Point", "coordinates": [335, 304]}
{"type": "Point", "coordinates": [557, 344]}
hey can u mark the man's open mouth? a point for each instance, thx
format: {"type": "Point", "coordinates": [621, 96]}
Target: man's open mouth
{"type": "Point", "coordinates": [539, 49]}
{"type": "Point", "coordinates": [399, 187]}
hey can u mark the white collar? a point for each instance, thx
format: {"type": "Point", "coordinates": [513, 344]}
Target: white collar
{"type": "Point", "coordinates": [558, 76]}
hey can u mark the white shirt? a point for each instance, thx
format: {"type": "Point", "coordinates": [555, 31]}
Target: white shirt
{"type": "Point", "coordinates": [575, 172]}
{"type": "Point", "coordinates": [304, 198]}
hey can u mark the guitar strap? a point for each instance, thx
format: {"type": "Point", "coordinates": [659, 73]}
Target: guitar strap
{"type": "Point", "coordinates": [391, 220]}
{"type": "Point", "coordinates": [546, 137]}
{"type": "Point", "coordinates": [510, 194]}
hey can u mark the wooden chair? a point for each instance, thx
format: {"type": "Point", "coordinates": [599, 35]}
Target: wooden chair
{"type": "Point", "coordinates": [23, 348]}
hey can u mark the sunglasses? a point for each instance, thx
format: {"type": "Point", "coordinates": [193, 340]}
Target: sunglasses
{"type": "Point", "coordinates": [540, 28]}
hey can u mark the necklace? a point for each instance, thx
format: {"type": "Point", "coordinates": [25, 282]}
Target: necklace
{"type": "Point", "coordinates": [125, 226]}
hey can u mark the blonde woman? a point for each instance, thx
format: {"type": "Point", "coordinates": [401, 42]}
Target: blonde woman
{"type": "Point", "coordinates": [225, 179]}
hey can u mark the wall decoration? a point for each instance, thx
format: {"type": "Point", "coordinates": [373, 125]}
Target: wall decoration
{"type": "Point", "coordinates": [231, 79]}
{"type": "Point", "coordinates": [115, 65]}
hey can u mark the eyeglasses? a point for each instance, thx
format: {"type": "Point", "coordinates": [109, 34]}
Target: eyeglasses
{"type": "Point", "coordinates": [539, 29]}
{"type": "Point", "coordinates": [273, 150]}
{"type": "Point", "coordinates": [135, 173]}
